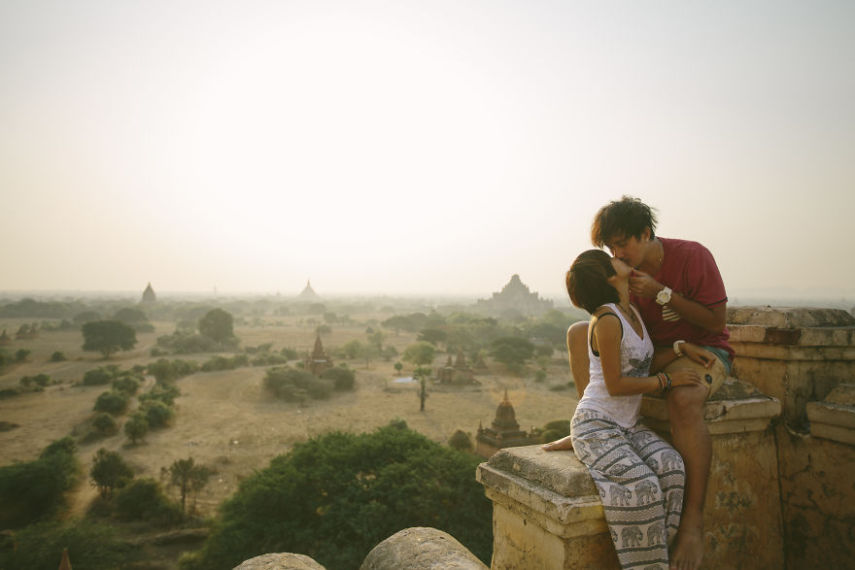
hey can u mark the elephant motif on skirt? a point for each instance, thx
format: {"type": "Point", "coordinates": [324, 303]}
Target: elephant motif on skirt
{"type": "Point", "coordinates": [631, 536]}
{"type": "Point", "coordinates": [620, 496]}
{"type": "Point", "coordinates": [656, 534]}
{"type": "Point", "coordinates": [646, 492]}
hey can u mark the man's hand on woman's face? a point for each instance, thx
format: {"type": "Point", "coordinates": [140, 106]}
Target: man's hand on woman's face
{"type": "Point", "coordinates": [643, 285]}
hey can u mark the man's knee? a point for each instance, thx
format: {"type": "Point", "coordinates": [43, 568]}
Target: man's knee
{"type": "Point", "coordinates": [686, 403]}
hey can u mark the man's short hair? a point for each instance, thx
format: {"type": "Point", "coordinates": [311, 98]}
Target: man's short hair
{"type": "Point", "coordinates": [588, 280]}
{"type": "Point", "coordinates": [627, 217]}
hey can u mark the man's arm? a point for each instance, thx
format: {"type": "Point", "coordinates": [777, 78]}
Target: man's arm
{"type": "Point", "coordinates": [712, 318]}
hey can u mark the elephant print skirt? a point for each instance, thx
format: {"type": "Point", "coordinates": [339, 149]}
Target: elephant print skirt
{"type": "Point", "coordinates": [640, 478]}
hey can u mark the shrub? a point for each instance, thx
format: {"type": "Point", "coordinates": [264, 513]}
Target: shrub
{"type": "Point", "coordinates": [162, 392]}
{"type": "Point", "coordinates": [555, 430]}
{"type": "Point", "coordinates": [57, 356]}
{"type": "Point", "coordinates": [34, 490]}
{"type": "Point", "coordinates": [39, 380]}
{"type": "Point", "coordinates": [104, 424]}
{"type": "Point", "coordinates": [187, 343]}
{"type": "Point", "coordinates": [157, 413]}
{"type": "Point", "coordinates": [289, 353]}
{"type": "Point", "coordinates": [126, 384]}
{"type": "Point", "coordinates": [290, 384]}
{"type": "Point", "coordinates": [109, 471]}
{"type": "Point", "coordinates": [225, 363]}
{"type": "Point", "coordinates": [112, 402]}
{"type": "Point", "coordinates": [165, 370]}
{"type": "Point", "coordinates": [94, 546]}
{"type": "Point", "coordinates": [144, 499]}
{"type": "Point", "coordinates": [268, 359]}
{"type": "Point", "coordinates": [320, 389]}
{"type": "Point", "coordinates": [343, 378]}
{"type": "Point", "coordinates": [99, 376]}
{"type": "Point", "coordinates": [460, 441]}
{"type": "Point", "coordinates": [22, 354]}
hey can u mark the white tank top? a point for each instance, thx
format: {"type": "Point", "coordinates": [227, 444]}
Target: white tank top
{"type": "Point", "coordinates": [636, 353]}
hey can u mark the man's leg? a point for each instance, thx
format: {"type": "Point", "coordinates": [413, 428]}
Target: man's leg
{"type": "Point", "coordinates": [577, 350]}
{"type": "Point", "coordinates": [692, 439]}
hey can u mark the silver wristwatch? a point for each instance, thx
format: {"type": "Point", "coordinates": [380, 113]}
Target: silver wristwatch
{"type": "Point", "coordinates": [663, 297]}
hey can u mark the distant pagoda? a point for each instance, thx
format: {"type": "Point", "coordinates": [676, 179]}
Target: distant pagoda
{"type": "Point", "coordinates": [456, 372]}
{"type": "Point", "coordinates": [515, 298]}
{"type": "Point", "coordinates": [308, 293]}
{"type": "Point", "coordinates": [505, 432]}
{"type": "Point", "coordinates": [148, 295]}
{"type": "Point", "coordinates": [318, 361]}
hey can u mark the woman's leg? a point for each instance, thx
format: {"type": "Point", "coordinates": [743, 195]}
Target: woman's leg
{"type": "Point", "coordinates": [669, 468]}
{"type": "Point", "coordinates": [633, 500]}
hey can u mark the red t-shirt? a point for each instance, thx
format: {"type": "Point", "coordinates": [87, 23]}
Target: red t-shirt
{"type": "Point", "coordinates": [689, 269]}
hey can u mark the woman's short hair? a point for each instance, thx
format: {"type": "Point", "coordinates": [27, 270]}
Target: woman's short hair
{"type": "Point", "coordinates": [627, 217]}
{"type": "Point", "coordinates": [588, 280]}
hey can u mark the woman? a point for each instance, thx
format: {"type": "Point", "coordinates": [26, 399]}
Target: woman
{"type": "Point", "coordinates": [640, 477]}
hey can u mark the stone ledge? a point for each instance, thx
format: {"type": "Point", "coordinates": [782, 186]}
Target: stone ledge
{"type": "Point", "coordinates": [834, 417]}
{"type": "Point", "coordinates": [789, 317]}
{"type": "Point", "coordinates": [736, 408]}
{"type": "Point", "coordinates": [528, 481]}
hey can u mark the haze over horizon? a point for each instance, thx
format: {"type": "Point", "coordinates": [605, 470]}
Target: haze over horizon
{"type": "Point", "coordinates": [418, 148]}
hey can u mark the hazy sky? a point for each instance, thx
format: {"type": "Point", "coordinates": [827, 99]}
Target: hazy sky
{"type": "Point", "coordinates": [418, 147]}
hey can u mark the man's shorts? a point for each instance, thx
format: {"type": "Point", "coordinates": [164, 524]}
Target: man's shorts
{"type": "Point", "coordinates": [714, 376]}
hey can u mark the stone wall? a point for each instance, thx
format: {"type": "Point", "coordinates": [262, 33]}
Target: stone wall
{"type": "Point", "coordinates": [806, 359]}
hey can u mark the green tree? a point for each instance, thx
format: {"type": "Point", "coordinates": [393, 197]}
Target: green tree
{"type": "Point", "coordinates": [112, 402]}
{"type": "Point", "coordinates": [342, 378]}
{"type": "Point", "coordinates": [157, 413]}
{"type": "Point", "coordinates": [109, 471]}
{"type": "Point", "coordinates": [512, 351]}
{"type": "Point", "coordinates": [108, 337]}
{"type": "Point", "coordinates": [136, 428]}
{"type": "Point", "coordinates": [460, 441]}
{"type": "Point", "coordinates": [353, 349]}
{"type": "Point", "coordinates": [188, 476]}
{"type": "Point", "coordinates": [104, 424]}
{"type": "Point", "coordinates": [144, 499]}
{"type": "Point", "coordinates": [421, 374]}
{"type": "Point", "coordinates": [433, 336]}
{"type": "Point", "coordinates": [351, 490]}
{"type": "Point", "coordinates": [217, 325]}
{"type": "Point", "coordinates": [34, 490]}
{"type": "Point", "coordinates": [419, 353]}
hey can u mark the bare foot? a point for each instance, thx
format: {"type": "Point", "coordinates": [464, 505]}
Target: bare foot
{"type": "Point", "coordinates": [689, 549]}
{"type": "Point", "coordinates": [558, 444]}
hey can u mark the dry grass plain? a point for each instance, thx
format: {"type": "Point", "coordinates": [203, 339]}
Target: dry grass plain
{"type": "Point", "coordinates": [227, 421]}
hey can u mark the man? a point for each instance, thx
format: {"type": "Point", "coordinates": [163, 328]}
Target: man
{"type": "Point", "coordinates": [679, 291]}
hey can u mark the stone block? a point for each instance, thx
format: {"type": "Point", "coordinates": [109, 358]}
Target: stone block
{"type": "Point", "coordinates": [280, 561]}
{"type": "Point", "coordinates": [421, 548]}
{"type": "Point", "coordinates": [796, 355]}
